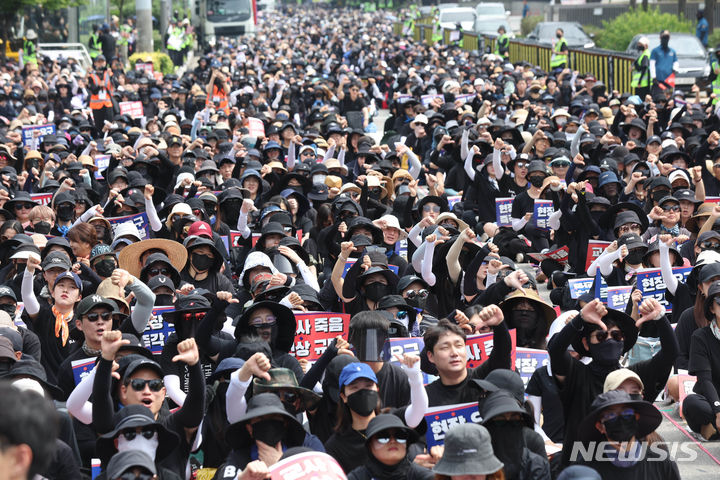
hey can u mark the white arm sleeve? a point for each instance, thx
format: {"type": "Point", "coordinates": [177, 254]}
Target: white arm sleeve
{"type": "Point", "coordinates": [235, 403]}
{"type": "Point", "coordinates": [652, 68]}
{"type": "Point", "coordinates": [468, 165]}
{"type": "Point", "coordinates": [90, 213]}
{"type": "Point", "coordinates": [414, 235]}
{"type": "Point", "coordinates": [666, 269]}
{"type": "Point", "coordinates": [490, 279]}
{"type": "Point", "coordinates": [77, 403]}
{"type": "Point", "coordinates": [418, 256]}
{"type": "Point", "coordinates": [142, 312]}
{"type": "Point", "coordinates": [172, 385]}
{"type": "Point", "coordinates": [330, 152]}
{"type": "Point", "coordinates": [418, 396]}
{"type": "Point", "coordinates": [28, 295]}
{"type": "Point", "coordinates": [415, 165]}
{"type": "Point", "coordinates": [341, 157]}
{"type": "Point", "coordinates": [291, 156]}
{"type": "Point", "coordinates": [518, 223]}
{"type": "Point", "coordinates": [497, 164]}
{"type": "Point", "coordinates": [536, 402]}
{"type": "Point", "coordinates": [308, 276]}
{"type": "Point", "coordinates": [464, 143]}
{"type": "Point", "coordinates": [554, 220]}
{"type": "Point", "coordinates": [427, 273]}
{"type": "Point", "coordinates": [152, 215]}
{"type": "Point", "coordinates": [606, 262]}
{"type": "Point", "coordinates": [242, 225]}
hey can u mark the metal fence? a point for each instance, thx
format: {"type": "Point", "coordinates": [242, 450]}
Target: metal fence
{"type": "Point", "coordinates": [614, 69]}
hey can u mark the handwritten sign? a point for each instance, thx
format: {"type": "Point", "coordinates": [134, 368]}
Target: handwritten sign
{"type": "Point", "coordinates": [139, 219]}
{"type": "Point", "coordinates": [541, 214]}
{"type": "Point", "coordinates": [132, 109]}
{"type": "Point", "coordinates": [441, 420]}
{"type": "Point", "coordinates": [315, 331]}
{"type": "Point", "coordinates": [503, 211]}
{"type": "Point", "coordinates": [595, 249]}
{"type": "Point", "coordinates": [527, 360]}
{"type": "Point", "coordinates": [158, 330]}
{"type": "Point", "coordinates": [307, 466]}
{"type": "Point", "coordinates": [651, 284]}
{"type": "Point", "coordinates": [32, 135]}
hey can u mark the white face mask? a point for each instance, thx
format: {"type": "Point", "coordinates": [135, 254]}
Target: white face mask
{"type": "Point", "coordinates": [141, 443]}
{"type": "Point", "coordinates": [319, 178]}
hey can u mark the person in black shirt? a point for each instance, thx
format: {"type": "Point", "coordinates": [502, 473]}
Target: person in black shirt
{"type": "Point", "coordinates": [702, 409]}
{"type": "Point", "coordinates": [445, 346]}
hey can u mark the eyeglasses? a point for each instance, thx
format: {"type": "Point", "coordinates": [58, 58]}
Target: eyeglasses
{"type": "Point", "coordinates": [159, 271]}
{"type": "Point", "coordinates": [629, 227]}
{"type": "Point", "coordinates": [131, 434]}
{"type": "Point", "coordinates": [94, 317]}
{"type": "Point", "coordinates": [410, 294]}
{"type": "Point", "coordinates": [193, 316]}
{"type": "Point", "coordinates": [138, 384]}
{"type": "Point", "coordinates": [626, 414]}
{"type": "Point", "coordinates": [24, 206]}
{"type": "Point", "coordinates": [671, 208]}
{"type": "Point", "coordinates": [260, 322]}
{"type": "Point", "coordinates": [431, 208]}
{"type": "Point", "coordinates": [616, 335]}
{"type": "Point", "coordinates": [384, 437]}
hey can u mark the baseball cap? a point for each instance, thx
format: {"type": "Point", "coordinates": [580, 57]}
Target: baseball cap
{"type": "Point", "coordinates": [160, 281]}
{"type": "Point", "coordinates": [92, 301]}
{"type": "Point", "coordinates": [353, 371]}
{"type": "Point", "coordinates": [201, 229]}
{"type": "Point", "coordinates": [56, 260]}
{"type": "Point", "coordinates": [6, 291]}
{"type": "Point", "coordinates": [140, 364]}
{"type": "Point", "coordinates": [75, 278]}
{"type": "Point", "coordinates": [617, 377]}
{"type": "Point", "coordinates": [6, 349]}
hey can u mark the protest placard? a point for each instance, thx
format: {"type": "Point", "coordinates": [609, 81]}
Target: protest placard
{"type": "Point", "coordinates": [618, 297]}
{"type": "Point", "coordinates": [401, 346]}
{"type": "Point", "coordinates": [560, 255]}
{"type": "Point", "coordinates": [453, 199]}
{"type": "Point", "coordinates": [579, 286]}
{"type": "Point", "coordinates": [132, 109]}
{"type": "Point", "coordinates": [440, 420]}
{"type": "Point", "coordinates": [158, 330]}
{"type": "Point", "coordinates": [479, 347]}
{"type": "Point", "coordinates": [82, 368]}
{"type": "Point", "coordinates": [650, 283]}
{"type": "Point", "coordinates": [595, 249]}
{"type": "Point", "coordinates": [315, 331]}
{"type": "Point", "coordinates": [42, 198]}
{"type": "Point", "coordinates": [465, 98]}
{"type": "Point", "coordinates": [541, 214]}
{"type": "Point", "coordinates": [139, 219]}
{"type": "Point", "coordinates": [102, 162]}
{"type": "Point", "coordinates": [686, 384]}
{"type": "Point", "coordinates": [394, 268]}
{"type": "Point", "coordinates": [256, 127]}
{"type": "Point", "coordinates": [32, 135]}
{"type": "Point", "coordinates": [426, 100]}
{"type": "Point", "coordinates": [144, 67]}
{"type": "Point", "coordinates": [306, 466]}
{"type": "Point", "coordinates": [503, 211]}
{"type": "Point", "coordinates": [527, 360]}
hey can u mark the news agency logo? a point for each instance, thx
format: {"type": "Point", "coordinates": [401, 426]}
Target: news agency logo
{"type": "Point", "coordinates": [642, 451]}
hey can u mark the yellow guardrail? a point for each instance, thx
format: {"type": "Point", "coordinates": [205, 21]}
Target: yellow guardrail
{"type": "Point", "coordinates": [611, 68]}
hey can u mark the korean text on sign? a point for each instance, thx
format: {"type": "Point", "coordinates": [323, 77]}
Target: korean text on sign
{"type": "Point", "coordinates": [401, 346]}
{"type": "Point", "coordinates": [158, 330]}
{"type": "Point", "coordinates": [528, 360]}
{"type": "Point", "coordinates": [139, 219]}
{"type": "Point", "coordinates": [479, 348]}
{"type": "Point", "coordinates": [651, 284]}
{"type": "Point", "coordinates": [541, 214]}
{"type": "Point", "coordinates": [306, 466]}
{"type": "Point", "coordinates": [503, 210]}
{"type": "Point", "coordinates": [440, 420]}
{"type": "Point", "coordinates": [315, 331]}
{"type": "Point", "coordinates": [595, 249]}
{"type": "Point", "coordinates": [618, 297]}
{"type": "Point", "coordinates": [33, 135]}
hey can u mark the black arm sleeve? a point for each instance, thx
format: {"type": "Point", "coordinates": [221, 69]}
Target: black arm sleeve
{"type": "Point", "coordinates": [191, 413]}
{"type": "Point", "coordinates": [500, 356]}
{"type": "Point", "coordinates": [316, 371]}
{"type": "Point", "coordinates": [494, 294]}
{"type": "Point", "coordinates": [350, 284]}
{"type": "Point", "coordinates": [206, 341]}
{"type": "Point", "coordinates": [103, 410]}
{"type": "Point", "coordinates": [470, 287]}
{"type": "Point", "coordinates": [560, 359]}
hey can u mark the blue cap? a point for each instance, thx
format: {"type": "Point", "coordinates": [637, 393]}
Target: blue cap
{"type": "Point", "coordinates": [272, 144]}
{"type": "Point", "coordinates": [607, 177]}
{"type": "Point", "coordinates": [69, 274]}
{"type": "Point", "coordinates": [353, 371]}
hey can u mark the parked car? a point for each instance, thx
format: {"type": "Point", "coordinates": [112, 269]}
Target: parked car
{"type": "Point", "coordinates": [544, 32]}
{"type": "Point", "coordinates": [693, 59]}
{"type": "Point", "coordinates": [489, 17]}
{"type": "Point", "coordinates": [450, 17]}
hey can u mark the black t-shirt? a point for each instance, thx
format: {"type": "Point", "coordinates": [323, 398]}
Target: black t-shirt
{"type": "Point", "coordinates": [705, 364]}
{"type": "Point", "coordinates": [522, 204]}
{"type": "Point", "coordinates": [543, 385]}
{"type": "Point", "coordinates": [348, 448]}
{"type": "Point", "coordinates": [643, 470]}
{"type": "Point", "coordinates": [180, 368]}
{"type": "Point", "coordinates": [684, 330]}
{"type": "Point", "coordinates": [348, 105]}
{"type": "Point", "coordinates": [394, 386]}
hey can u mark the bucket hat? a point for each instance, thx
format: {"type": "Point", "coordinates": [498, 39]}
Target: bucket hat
{"type": "Point", "coordinates": [468, 451]}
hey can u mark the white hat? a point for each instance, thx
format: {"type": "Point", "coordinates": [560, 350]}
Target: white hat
{"type": "Point", "coordinates": [668, 142]}
{"type": "Point", "coordinates": [421, 118]}
{"type": "Point", "coordinates": [31, 35]}
{"type": "Point", "coordinates": [390, 221]}
{"type": "Point", "coordinates": [181, 178]}
{"type": "Point", "coordinates": [479, 81]}
{"type": "Point", "coordinates": [126, 229]}
{"type": "Point", "coordinates": [257, 259]}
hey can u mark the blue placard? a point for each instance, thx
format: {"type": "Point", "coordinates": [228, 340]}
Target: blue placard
{"type": "Point", "coordinates": [102, 162]}
{"type": "Point", "coordinates": [393, 268]}
{"type": "Point", "coordinates": [28, 134]}
{"type": "Point", "coordinates": [503, 211]}
{"type": "Point", "coordinates": [618, 297]}
{"type": "Point", "coordinates": [440, 420]}
{"type": "Point", "coordinates": [600, 287]}
{"type": "Point", "coordinates": [651, 284]}
{"type": "Point", "coordinates": [541, 214]}
{"type": "Point", "coordinates": [579, 286]}
{"type": "Point", "coordinates": [139, 219]}
{"type": "Point", "coordinates": [527, 360]}
{"type": "Point", "coordinates": [82, 368]}
{"type": "Point", "coordinates": [400, 346]}
{"type": "Point", "coordinates": [158, 330]}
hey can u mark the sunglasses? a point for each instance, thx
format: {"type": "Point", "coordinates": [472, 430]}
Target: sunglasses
{"type": "Point", "coordinates": [671, 208]}
{"type": "Point", "coordinates": [138, 384]}
{"type": "Point", "coordinates": [616, 335]}
{"type": "Point", "coordinates": [24, 206]}
{"type": "Point", "coordinates": [626, 414]}
{"type": "Point", "coordinates": [260, 322]}
{"type": "Point", "coordinates": [630, 227]}
{"type": "Point", "coordinates": [94, 317]}
{"type": "Point", "coordinates": [193, 316]}
{"type": "Point", "coordinates": [159, 271]}
{"type": "Point", "coordinates": [410, 294]}
{"type": "Point", "coordinates": [309, 153]}
{"type": "Point", "coordinates": [288, 397]}
{"type": "Point", "coordinates": [384, 437]}
{"type": "Point", "coordinates": [402, 314]}
{"type": "Point", "coordinates": [522, 164]}
{"type": "Point", "coordinates": [431, 208]}
{"type": "Point", "coordinates": [707, 245]}
{"type": "Point", "coordinates": [560, 164]}
{"type": "Point", "coordinates": [131, 434]}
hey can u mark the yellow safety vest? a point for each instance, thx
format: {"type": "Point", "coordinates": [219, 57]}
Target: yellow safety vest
{"type": "Point", "coordinates": [641, 76]}
{"type": "Point", "coordinates": [559, 58]}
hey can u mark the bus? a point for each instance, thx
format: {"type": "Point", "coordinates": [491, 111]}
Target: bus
{"type": "Point", "coordinates": [223, 18]}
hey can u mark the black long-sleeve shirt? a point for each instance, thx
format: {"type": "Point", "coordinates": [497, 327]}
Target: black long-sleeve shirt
{"type": "Point", "coordinates": [705, 364]}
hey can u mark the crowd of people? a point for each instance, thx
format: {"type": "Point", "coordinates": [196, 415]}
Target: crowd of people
{"type": "Point", "coordinates": [252, 188]}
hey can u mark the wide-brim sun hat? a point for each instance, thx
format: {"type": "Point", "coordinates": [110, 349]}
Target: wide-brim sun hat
{"type": "Point", "coordinates": [130, 256]}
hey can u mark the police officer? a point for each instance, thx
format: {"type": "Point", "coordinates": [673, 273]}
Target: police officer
{"type": "Point", "coordinates": [94, 44]}
{"type": "Point", "coordinates": [559, 57]}
{"type": "Point", "coordinates": [30, 47]}
{"type": "Point", "coordinates": [641, 70]}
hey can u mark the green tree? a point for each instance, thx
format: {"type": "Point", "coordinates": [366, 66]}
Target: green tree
{"type": "Point", "coordinates": [617, 33]}
{"type": "Point", "coordinates": [11, 9]}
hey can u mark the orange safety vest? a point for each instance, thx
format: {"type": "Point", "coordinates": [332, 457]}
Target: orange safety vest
{"type": "Point", "coordinates": [220, 98]}
{"type": "Point", "coordinates": [102, 97]}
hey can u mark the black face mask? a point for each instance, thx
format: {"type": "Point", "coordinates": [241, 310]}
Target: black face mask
{"type": "Point", "coordinates": [363, 402]}
{"type": "Point", "coordinates": [417, 302]}
{"type": "Point", "coordinates": [9, 309]}
{"type": "Point", "coordinates": [558, 35]}
{"type": "Point", "coordinates": [42, 227]}
{"type": "Point", "coordinates": [105, 268]}
{"type": "Point", "coordinates": [201, 263]}
{"type": "Point", "coordinates": [657, 196]}
{"type": "Point", "coordinates": [5, 368]}
{"type": "Point", "coordinates": [163, 299]}
{"type": "Point", "coordinates": [65, 212]}
{"type": "Point", "coordinates": [230, 211]}
{"type": "Point", "coordinates": [621, 429]}
{"type": "Point", "coordinates": [376, 290]}
{"type": "Point", "coordinates": [507, 441]}
{"type": "Point", "coordinates": [606, 353]}
{"type": "Point", "coordinates": [269, 432]}
{"type": "Point", "coordinates": [536, 181]}
{"type": "Point", "coordinates": [665, 41]}
{"type": "Point", "coordinates": [634, 258]}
